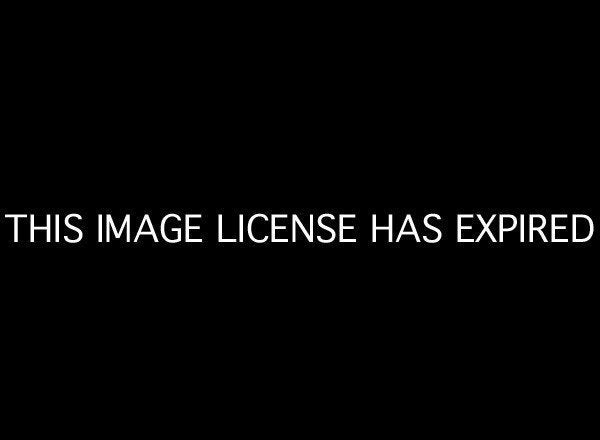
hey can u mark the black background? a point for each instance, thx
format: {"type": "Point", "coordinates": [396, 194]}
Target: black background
{"type": "Point", "coordinates": [386, 112]}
